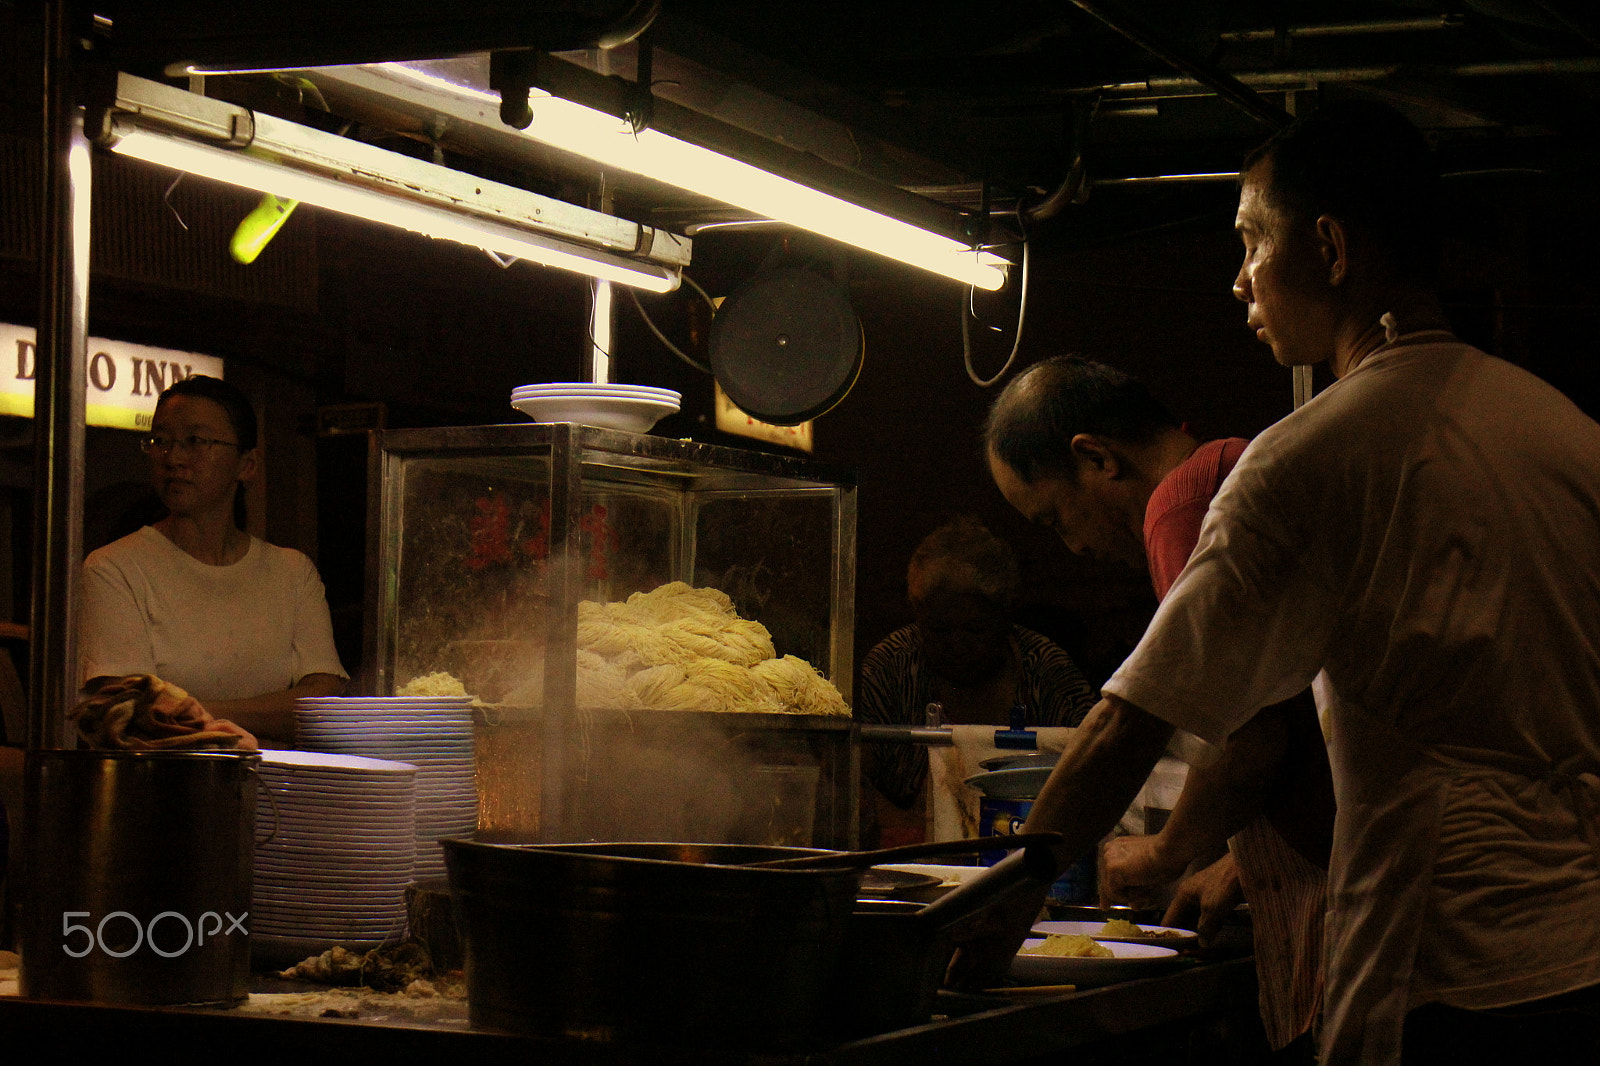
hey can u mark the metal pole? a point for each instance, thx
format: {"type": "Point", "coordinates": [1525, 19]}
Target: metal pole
{"type": "Point", "coordinates": [58, 410]}
{"type": "Point", "coordinates": [602, 300]}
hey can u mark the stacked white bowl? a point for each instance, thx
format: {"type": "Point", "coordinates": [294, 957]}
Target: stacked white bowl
{"type": "Point", "coordinates": [432, 733]}
{"type": "Point", "coordinates": [633, 408]}
{"type": "Point", "coordinates": [339, 847]}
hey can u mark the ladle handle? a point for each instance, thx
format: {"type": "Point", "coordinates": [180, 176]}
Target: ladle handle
{"type": "Point", "coordinates": [848, 859]}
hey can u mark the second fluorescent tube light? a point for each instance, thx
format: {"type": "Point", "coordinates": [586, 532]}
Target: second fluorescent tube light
{"type": "Point", "coordinates": [239, 167]}
{"type": "Point", "coordinates": [212, 139]}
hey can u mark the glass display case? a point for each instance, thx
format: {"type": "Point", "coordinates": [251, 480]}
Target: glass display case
{"type": "Point", "coordinates": [506, 557]}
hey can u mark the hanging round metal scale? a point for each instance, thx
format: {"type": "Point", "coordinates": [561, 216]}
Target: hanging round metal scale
{"type": "Point", "coordinates": [786, 346]}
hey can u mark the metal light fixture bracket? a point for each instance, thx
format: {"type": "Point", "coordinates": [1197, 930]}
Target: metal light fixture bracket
{"type": "Point", "coordinates": [166, 107]}
{"type": "Point", "coordinates": [514, 74]}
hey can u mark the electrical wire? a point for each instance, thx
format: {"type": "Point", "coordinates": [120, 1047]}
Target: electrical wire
{"type": "Point", "coordinates": [1022, 310]}
{"type": "Point", "coordinates": [695, 285]}
{"type": "Point", "coordinates": [662, 337]}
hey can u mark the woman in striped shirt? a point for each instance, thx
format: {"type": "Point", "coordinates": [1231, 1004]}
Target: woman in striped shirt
{"type": "Point", "coordinates": [963, 653]}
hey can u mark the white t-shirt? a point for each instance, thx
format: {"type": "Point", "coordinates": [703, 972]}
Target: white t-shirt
{"type": "Point", "coordinates": [220, 632]}
{"type": "Point", "coordinates": [1426, 535]}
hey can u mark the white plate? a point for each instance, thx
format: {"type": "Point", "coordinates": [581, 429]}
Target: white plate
{"type": "Point", "coordinates": [383, 927]}
{"type": "Point", "coordinates": [949, 876]}
{"type": "Point", "coordinates": [364, 874]}
{"type": "Point", "coordinates": [323, 702]}
{"type": "Point", "coordinates": [426, 711]}
{"type": "Point", "coordinates": [1181, 939]}
{"type": "Point", "coordinates": [594, 388]}
{"type": "Point", "coordinates": [279, 887]}
{"type": "Point", "coordinates": [326, 763]}
{"type": "Point", "coordinates": [396, 804]}
{"type": "Point", "coordinates": [1128, 962]}
{"type": "Point", "coordinates": [358, 724]}
{"type": "Point", "coordinates": [631, 414]}
{"type": "Point", "coordinates": [583, 395]}
{"type": "Point", "coordinates": [348, 854]}
{"type": "Point", "coordinates": [340, 822]}
{"type": "Point", "coordinates": [379, 749]}
{"type": "Point", "coordinates": [350, 782]}
{"type": "Point", "coordinates": [324, 906]}
{"type": "Point", "coordinates": [377, 810]}
{"type": "Point", "coordinates": [388, 786]}
{"type": "Point", "coordinates": [312, 833]}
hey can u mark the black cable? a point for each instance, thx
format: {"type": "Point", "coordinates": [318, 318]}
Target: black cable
{"type": "Point", "coordinates": [662, 337]}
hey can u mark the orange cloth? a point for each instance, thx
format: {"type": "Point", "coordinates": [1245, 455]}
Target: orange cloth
{"type": "Point", "coordinates": [143, 712]}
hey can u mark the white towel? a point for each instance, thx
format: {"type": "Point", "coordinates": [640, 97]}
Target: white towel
{"type": "Point", "coordinates": [953, 804]}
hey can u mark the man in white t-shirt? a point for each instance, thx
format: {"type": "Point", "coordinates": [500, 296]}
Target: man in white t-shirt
{"type": "Point", "coordinates": [1423, 541]}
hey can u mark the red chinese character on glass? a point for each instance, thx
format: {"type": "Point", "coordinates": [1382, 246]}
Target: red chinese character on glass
{"type": "Point", "coordinates": [603, 541]}
{"type": "Point", "coordinates": [491, 533]}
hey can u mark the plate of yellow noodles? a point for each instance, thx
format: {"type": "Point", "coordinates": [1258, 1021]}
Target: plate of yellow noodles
{"type": "Point", "coordinates": [1123, 930]}
{"type": "Point", "coordinates": [1075, 959]}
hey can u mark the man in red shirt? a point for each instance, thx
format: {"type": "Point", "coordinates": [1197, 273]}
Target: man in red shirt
{"type": "Point", "coordinates": [1139, 487]}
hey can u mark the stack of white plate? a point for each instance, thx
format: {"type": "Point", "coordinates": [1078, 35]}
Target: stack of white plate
{"type": "Point", "coordinates": [340, 853]}
{"type": "Point", "coordinates": [433, 733]}
{"type": "Point", "coordinates": [633, 408]}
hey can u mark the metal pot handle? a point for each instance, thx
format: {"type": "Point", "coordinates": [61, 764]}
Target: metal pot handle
{"type": "Point", "coordinates": [272, 798]}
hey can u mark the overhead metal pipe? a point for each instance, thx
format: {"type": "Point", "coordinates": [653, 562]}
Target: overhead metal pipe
{"type": "Point", "coordinates": [1171, 179]}
{"type": "Point", "coordinates": [1448, 21]}
{"type": "Point", "coordinates": [1225, 85]}
{"type": "Point", "coordinates": [59, 377]}
{"type": "Point", "coordinates": [1309, 77]}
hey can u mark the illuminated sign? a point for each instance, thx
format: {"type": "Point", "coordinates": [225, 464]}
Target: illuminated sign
{"type": "Point", "coordinates": [732, 419]}
{"type": "Point", "coordinates": [124, 379]}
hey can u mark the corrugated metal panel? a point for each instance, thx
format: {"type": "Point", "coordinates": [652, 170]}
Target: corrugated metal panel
{"type": "Point", "coordinates": [175, 239]}
{"type": "Point", "coordinates": [19, 198]}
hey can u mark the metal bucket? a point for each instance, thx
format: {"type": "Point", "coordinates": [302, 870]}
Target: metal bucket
{"type": "Point", "coordinates": [649, 943]}
{"type": "Point", "coordinates": [138, 884]}
{"type": "Point", "coordinates": [1007, 798]}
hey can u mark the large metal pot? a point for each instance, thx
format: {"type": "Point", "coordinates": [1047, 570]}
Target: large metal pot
{"type": "Point", "coordinates": [649, 943]}
{"type": "Point", "coordinates": [138, 889]}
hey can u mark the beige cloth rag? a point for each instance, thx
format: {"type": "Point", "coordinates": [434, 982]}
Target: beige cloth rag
{"type": "Point", "coordinates": [141, 712]}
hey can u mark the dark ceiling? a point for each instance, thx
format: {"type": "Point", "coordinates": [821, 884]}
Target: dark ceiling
{"type": "Point", "coordinates": [992, 90]}
{"type": "Point", "coordinates": [977, 106]}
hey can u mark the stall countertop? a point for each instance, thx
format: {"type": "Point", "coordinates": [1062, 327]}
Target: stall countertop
{"type": "Point", "coordinates": [990, 1031]}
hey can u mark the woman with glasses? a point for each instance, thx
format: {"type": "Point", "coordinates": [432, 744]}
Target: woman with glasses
{"type": "Point", "coordinates": [193, 598]}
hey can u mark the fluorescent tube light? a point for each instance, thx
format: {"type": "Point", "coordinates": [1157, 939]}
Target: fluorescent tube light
{"type": "Point", "coordinates": [245, 168]}
{"type": "Point", "coordinates": [608, 140]}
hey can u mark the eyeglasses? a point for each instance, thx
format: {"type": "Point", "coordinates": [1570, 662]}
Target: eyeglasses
{"type": "Point", "coordinates": [191, 444]}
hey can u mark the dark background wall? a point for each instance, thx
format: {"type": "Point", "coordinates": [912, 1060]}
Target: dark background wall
{"type": "Point", "coordinates": [338, 312]}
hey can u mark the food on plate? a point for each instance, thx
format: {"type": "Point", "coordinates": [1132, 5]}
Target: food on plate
{"type": "Point", "coordinates": [439, 683]}
{"type": "Point", "coordinates": [1123, 927]}
{"type": "Point", "coordinates": [1070, 945]}
{"type": "Point", "coordinates": [681, 648]}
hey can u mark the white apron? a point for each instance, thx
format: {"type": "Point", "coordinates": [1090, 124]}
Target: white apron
{"type": "Point", "coordinates": [1392, 799]}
